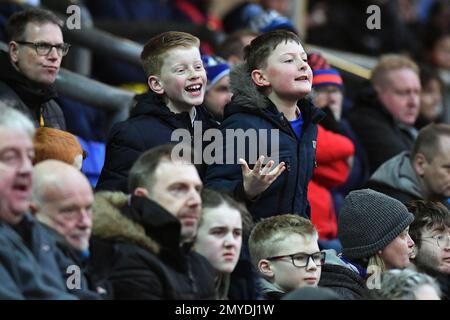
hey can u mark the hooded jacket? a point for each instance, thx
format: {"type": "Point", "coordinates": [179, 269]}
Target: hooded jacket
{"type": "Point", "coordinates": [381, 136]}
{"type": "Point", "coordinates": [268, 290]}
{"type": "Point", "coordinates": [249, 109]}
{"type": "Point", "coordinates": [139, 252]}
{"type": "Point", "coordinates": [22, 94]}
{"type": "Point", "coordinates": [338, 276]}
{"type": "Point", "coordinates": [150, 124]}
{"type": "Point", "coordinates": [396, 178]}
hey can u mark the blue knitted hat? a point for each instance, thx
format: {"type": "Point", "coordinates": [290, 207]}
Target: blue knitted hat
{"type": "Point", "coordinates": [216, 68]}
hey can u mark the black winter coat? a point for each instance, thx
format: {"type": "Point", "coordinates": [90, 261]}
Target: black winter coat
{"type": "Point", "coordinates": [20, 93]}
{"type": "Point", "coordinates": [380, 135]}
{"type": "Point", "coordinates": [150, 124]}
{"type": "Point", "coordinates": [348, 284]}
{"type": "Point", "coordinates": [250, 110]}
{"type": "Point", "coordinates": [138, 251]}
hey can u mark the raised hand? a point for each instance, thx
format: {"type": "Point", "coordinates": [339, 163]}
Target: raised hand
{"type": "Point", "coordinates": [260, 178]}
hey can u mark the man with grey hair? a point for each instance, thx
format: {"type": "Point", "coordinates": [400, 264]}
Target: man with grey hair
{"type": "Point", "coordinates": [30, 67]}
{"type": "Point", "coordinates": [28, 257]}
{"type": "Point", "coordinates": [62, 201]}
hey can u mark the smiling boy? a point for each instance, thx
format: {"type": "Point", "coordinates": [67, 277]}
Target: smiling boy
{"type": "Point", "coordinates": [268, 96]}
{"type": "Point", "coordinates": [177, 82]}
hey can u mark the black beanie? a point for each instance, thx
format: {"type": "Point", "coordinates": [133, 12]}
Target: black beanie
{"type": "Point", "coordinates": [369, 221]}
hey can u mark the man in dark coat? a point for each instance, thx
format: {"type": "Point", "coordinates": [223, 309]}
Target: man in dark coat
{"type": "Point", "coordinates": [30, 67]}
{"type": "Point", "coordinates": [148, 236]}
{"type": "Point", "coordinates": [29, 258]}
{"type": "Point", "coordinates": [384, 113]}
{"type": "Point", "coordinates": [177, 82]}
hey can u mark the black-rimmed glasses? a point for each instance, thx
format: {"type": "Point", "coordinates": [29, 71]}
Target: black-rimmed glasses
{"type": "Point", "coordinates": [44, 48]}
{"type": "Point", "coordinates": [301, 260]}
{"type": "Point", "coordinates": [442, 241]}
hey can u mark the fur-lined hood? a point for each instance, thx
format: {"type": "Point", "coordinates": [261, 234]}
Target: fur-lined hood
{"type": "Point", "coordinates": [247, 96]}
{"type": "Point", "coordinates": [245, 92]}
{"type": "Point", "coordinates": [110, 223]}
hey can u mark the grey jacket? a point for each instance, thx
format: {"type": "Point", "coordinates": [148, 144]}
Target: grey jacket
{"type": "Point", "coordinates": [30, 272]}
{"type": "Point", "coordinates": [396, 178]}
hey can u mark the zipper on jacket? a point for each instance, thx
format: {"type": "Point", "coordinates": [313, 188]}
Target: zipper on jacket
{"type": "Point", "coordinates": [283, 187]}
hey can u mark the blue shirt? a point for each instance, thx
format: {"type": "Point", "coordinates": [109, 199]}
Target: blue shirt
{"type": "Point", "coordinates": [297, 126]}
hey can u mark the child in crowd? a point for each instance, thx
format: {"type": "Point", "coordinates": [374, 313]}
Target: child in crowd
{"type": "Point", "coordinates": [219, 235]}
{"type": "Point", "coordinates": [285, 251]}
{"type": "Point", "coordinates": [177, 82]}
{"type": "Point", "coordinates": [268, 99]}
{"type": "Point", "coordinates": [218, 92]}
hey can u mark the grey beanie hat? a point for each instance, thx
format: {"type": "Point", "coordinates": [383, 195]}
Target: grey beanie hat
{"type": "Point", "coordinates": [369, 221]}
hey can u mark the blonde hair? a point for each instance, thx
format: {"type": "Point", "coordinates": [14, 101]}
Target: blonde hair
{"type": "Point", "coordinates": [273, 229]}
{"type": "Point", "coordinates": [388, 63]}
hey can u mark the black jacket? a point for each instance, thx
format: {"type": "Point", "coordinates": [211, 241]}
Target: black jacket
{"type": "Point", "coordinates": [381, 136]}
{"type": "Point", "coordinates": [348, 284]}
{"type": "Point", "coordinates": [21, 93]}
{"type": "Point", "coordinates": [150, 124]}
{"type": "Point", "coordinates": [250, 110]}
{"type": "Point", "coordinates": [144, 257]}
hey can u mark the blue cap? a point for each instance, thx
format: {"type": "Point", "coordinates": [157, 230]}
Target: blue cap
{"type": "Point", "coordinates": [271, 20]}
{"type": "Point", "coordinates": [216, 68]}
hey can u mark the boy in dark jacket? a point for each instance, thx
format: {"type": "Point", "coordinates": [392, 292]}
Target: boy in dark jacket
{"type": "Point", "coordinates": [268, 98]}
{"type": "Point", "coordinates": [177, 82]}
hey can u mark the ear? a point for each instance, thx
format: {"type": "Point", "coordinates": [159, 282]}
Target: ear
{"type": "Point", "coordinates": [140, 192]}
{"type": "Point", "coordinates": [13, 51]}
{"type": "Point", "coordinates": [265, 268]}
{"type": "Point", "coordinates": [33, 208]}
{"type": "Point", "coordinates": [419, 164]}
{"type": "Point", "coordinates": [259, 78]}
{"type": "Point", "coordinates": [155, 85]}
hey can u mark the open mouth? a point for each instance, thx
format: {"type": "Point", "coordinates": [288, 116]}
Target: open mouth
{"type": "Point", "coordinates": [302, 78]}
{"type": "Point", "coordinates": [194, 88]}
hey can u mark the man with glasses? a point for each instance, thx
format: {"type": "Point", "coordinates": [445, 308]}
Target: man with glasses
{"type": "Point", "coordinates": [30, 67]}
{"type": "Point", "coordinates": [285, 251]}
{"type": "Point", "coordinates": [430, 231]}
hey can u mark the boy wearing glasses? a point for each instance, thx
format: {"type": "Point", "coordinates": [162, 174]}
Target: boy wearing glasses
{"type": "Point", "coordinates": [30, 67]}
{"type": "Point", "coordinates": [430, 231]}
{"type": "Point", "coordinates": [285, 252]}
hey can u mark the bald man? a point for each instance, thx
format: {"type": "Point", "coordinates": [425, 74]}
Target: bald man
{"type": "Point", "coordinates": [61, 200]}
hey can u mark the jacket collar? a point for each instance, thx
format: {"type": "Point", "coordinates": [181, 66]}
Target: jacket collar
{"type": "Point", "coordinates": [247, 98]}
{"type": "Point", "coordinates": [29, 92]}
{"type": "Point", "coordinates": [140, 221]}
